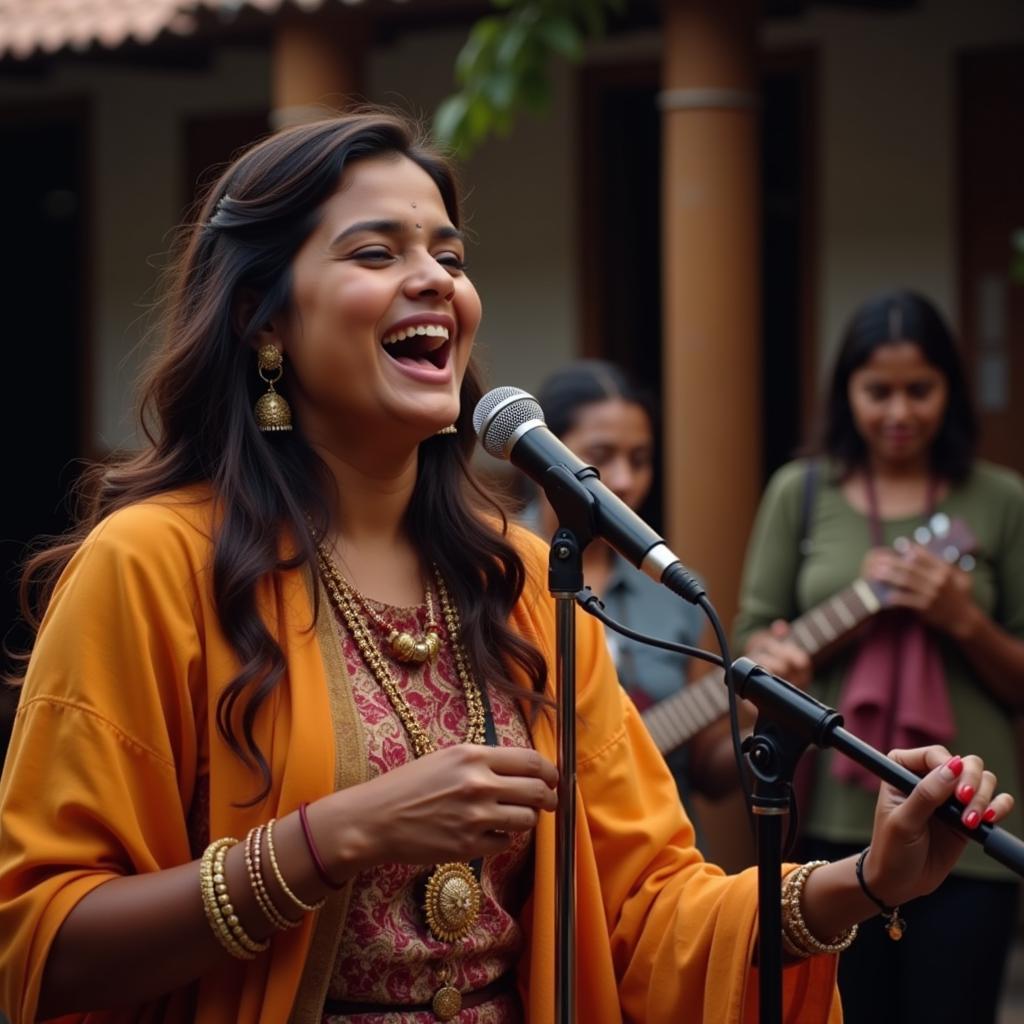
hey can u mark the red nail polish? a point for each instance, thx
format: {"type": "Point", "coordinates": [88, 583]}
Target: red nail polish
{"type": "Point", "coordinates": [989, 815]}
{"type": "Point", "coordinates": [965, 794]}
{"type": "Point", "coordinates": [956, 765]}
{"type": "Point", "coordinates": [972, 819]}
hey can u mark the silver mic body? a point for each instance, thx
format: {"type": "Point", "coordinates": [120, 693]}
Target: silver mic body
{"type": "Point", "coordinates": [510, 425]}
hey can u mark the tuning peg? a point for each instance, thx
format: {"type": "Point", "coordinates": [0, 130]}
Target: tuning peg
{"type": "Point", "coordinates": [939, 524]}
{"type": "Point", "coordinates": [901, 545]}
{"type": "Point", "coordinates": [967, 562]}
{"type": "Point", "coordinates": [922, 535]}
{"type": "Point", "coordinates": [951, 554]}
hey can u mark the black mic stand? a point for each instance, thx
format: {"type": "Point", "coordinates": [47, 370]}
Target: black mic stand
{"type": "Point", "coordinates": [574, 506]}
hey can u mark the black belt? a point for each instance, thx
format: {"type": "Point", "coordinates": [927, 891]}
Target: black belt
{"type": "Point", "coordinates": [344, 1007]}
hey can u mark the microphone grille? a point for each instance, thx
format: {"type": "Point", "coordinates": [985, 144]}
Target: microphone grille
{"type": "Point", "coordinates": [499, 414]}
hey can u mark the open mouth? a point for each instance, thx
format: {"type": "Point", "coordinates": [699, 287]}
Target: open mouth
{"type": "Point", "coordinates": [425, 345]}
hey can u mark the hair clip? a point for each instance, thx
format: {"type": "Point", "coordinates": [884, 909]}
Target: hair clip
{"type": "Point", "coordinates": [217, 210]}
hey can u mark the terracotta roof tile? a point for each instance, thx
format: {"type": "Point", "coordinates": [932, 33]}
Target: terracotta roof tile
{"type": "Point", "coordinates": [32, 27]}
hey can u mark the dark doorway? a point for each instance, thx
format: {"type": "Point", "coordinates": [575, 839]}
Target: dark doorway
{"type": "Point", "coordinates": [46, 371]}
{"type": "Point", "coordinates": [620, 234]}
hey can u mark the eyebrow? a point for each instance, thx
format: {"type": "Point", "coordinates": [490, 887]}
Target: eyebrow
{"type": "Point", "coordinates": [392, 227]}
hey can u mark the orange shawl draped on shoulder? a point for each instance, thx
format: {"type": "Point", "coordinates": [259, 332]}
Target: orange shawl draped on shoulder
{"type": "Point", "coordinates": [117, 714]}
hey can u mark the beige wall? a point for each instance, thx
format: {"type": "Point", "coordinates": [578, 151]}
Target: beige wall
{"type": "Point", "coordinates": [137, 173]}
{"type": "Point", "coordinates": [887, 145]}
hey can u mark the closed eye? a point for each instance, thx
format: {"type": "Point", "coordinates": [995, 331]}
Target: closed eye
{"type": "Point", "coordinates": [372, 254]}
{"type": "Point", "coordinates": [451, 260]}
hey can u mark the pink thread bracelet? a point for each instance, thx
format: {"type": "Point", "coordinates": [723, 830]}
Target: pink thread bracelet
{"type": "Point", "coordinates": [318, 863]}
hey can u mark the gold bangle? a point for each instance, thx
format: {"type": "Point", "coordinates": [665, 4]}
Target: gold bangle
{"type": "Point", "coordinates": [214, 889]}
{"type": "Point", "coordinates": [306, 907]}
{"type": "Point", "coordinates": [226, 909]}
{"type": "Point", "coordinates": [254, 868]}
{"type": "Point", "coordinates": [791, 949]}
{"type": "Point", "coordinates": [797, 937]}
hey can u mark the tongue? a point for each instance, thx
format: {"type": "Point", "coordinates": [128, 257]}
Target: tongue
{"type": "Point", "coordinates": [414, 360]}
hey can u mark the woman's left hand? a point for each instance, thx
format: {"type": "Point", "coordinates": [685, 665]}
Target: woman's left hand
{"type": "Point", "coordinates": [911, 851]}
{"type": "Point", "coordinates": [939, 592]}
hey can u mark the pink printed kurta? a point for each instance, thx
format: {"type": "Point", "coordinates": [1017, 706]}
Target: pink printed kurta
{"type": "Point", "coordinates": [387, 954]}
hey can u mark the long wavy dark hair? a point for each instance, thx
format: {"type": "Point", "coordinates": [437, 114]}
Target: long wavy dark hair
{"type": "Point", "coordinates": [196, 411]}
{"type": "Point", "coordinates": [888, 319]}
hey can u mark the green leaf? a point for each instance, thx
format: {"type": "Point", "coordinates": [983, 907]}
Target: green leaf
{"type": "Point", "coordinates": [503, 67]}
{"type": "Point", "coordinates": [562, 36]}
{"type": "Point", "coordinates": [478, 117]}
{"type": "Point", "coordinates": [535, 90]}
{"type": "Point", "coordinates": [478, 48]}
{"type": "Point", "coordinates": [511, 43]}
{"type": "Point", "coordinates": [449, 118]}
{"type": "Point", "coordinates": [501, 88]}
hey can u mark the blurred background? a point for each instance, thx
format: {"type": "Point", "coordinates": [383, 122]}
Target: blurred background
{"type": "Point", "coordinates": [713, 187]}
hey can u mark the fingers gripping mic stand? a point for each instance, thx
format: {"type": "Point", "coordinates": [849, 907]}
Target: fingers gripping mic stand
{"type": "Point", "coordinates": [574, 506]}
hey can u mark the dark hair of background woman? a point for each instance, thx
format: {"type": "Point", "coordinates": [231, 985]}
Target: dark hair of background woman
{"type": "Point", "coordinates": [197, 414]}
{"type": "Point", "coordinates": [585, 382]}
{"type": "Point", "coordinates": [884, 320]}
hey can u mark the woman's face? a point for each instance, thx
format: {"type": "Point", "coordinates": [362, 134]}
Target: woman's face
{"type": "Point", "coordinates": [898, 400]}
{"type": "Point", "coordinates": [383, 317]}
{"type": "Point", "coordinates": [616, 438]}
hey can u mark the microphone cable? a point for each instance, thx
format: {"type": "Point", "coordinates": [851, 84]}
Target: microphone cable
{"type": "Point", "coordinates": [593, 605]}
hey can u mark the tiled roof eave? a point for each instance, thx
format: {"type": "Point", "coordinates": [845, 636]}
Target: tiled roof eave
{"type": "Point", "coordinates": [39, 28]}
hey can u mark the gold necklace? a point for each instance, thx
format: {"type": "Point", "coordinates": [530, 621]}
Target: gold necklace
{"type": "Point", "coordinates": [404, 645]}
{"type": "Point", "coordinates": [453, 895]}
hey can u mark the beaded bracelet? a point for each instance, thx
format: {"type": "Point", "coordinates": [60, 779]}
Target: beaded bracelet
{"type": "Point", "coordinates": [318, 863]}
{"type": "Point", "coordinates": [794, 928]}
{"type": "Point", "coordinates": [254, 867]}
{"type": "Point", "coordinates": [895, 925]}
{"type": "Point", "coordinates": [217, 904]}
{"type": "Point", "coordinates": [306, 907]}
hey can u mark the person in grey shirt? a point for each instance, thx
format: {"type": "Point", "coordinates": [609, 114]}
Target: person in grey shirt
{"type": "Point", "coordinates": [611, 423]}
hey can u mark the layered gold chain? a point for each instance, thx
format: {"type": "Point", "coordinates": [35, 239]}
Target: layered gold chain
{"type": "Point", "coordinates": [349, 605]}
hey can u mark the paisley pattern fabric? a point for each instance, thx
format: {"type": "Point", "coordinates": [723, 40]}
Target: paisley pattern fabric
{"type": "Point", "coordinates": [387, 954]}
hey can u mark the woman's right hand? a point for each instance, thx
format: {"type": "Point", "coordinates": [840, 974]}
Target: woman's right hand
{"type": "Point", "coordinates": [775, 652]}
{"type": "Point", "coordinates": [457, 803]}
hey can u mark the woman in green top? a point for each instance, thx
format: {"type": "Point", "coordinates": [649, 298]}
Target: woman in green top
{"type": "Point", "coordinates": [944, 660]}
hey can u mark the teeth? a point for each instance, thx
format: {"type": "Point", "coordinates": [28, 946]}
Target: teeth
{"type": "Point", "coordinates": [428, 330]}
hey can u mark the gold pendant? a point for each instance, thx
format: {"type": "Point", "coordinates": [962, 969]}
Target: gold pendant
{"type": "Point", "coordinates": [452, 902]}
{"type": "Point", "coordinates": [405, 647]}
{"type": "Point", "coordinates": [896, 927]}
{"type": "Point", "coordinates": [447, 1002]}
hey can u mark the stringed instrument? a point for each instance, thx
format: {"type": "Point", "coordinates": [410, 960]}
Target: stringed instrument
{"type": "Point", "coordinates": [677, 719]}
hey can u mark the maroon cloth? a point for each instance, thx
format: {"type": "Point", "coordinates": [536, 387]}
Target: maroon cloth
{"type": "Point", "coordinates": [895, 694]}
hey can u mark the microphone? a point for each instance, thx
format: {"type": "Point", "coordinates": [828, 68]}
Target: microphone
{"type": "Point", "coordinates": [510, 425]}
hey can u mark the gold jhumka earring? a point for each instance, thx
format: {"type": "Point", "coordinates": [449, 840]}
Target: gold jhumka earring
{"type": "Point", "coordinates": [272, 411]}
{"type": "Point", "coordinates": [450, 429]}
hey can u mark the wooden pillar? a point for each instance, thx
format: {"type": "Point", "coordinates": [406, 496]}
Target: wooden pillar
{"type": "Point", "coordinates": [711, 286]}
{"type": "Point", "coordinates": [317, 64]}
{"type": "Point", "coordinates": [711, 310]}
